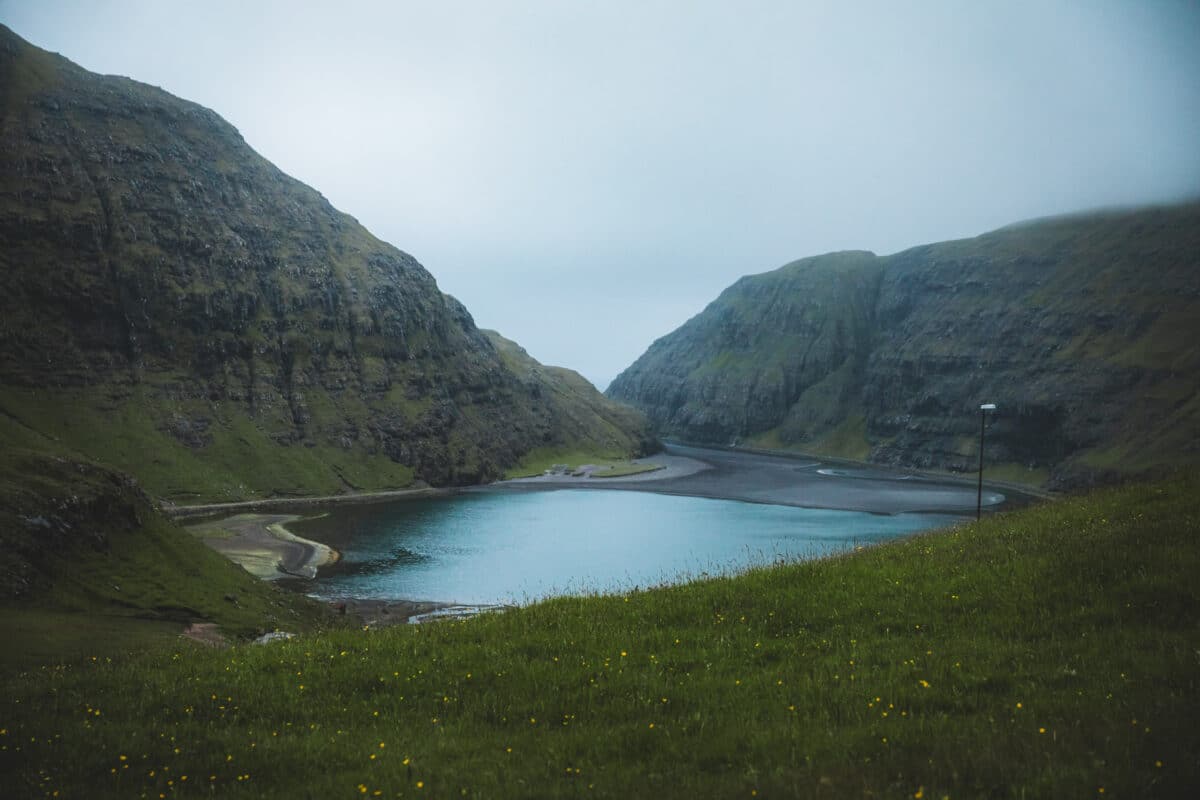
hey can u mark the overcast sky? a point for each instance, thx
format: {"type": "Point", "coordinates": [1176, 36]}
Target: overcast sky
{"type": "Point", "coordinates": [585, 176]}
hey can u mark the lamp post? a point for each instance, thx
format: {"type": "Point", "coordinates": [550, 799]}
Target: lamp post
{"type": "Point", "coordinates": [983, 412]}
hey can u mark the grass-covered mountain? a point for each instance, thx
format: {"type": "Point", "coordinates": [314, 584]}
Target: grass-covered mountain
{"type": "Point", "coordinates": [89, 566]}
{"type": "Point", "coordinates": [1085, 330]}
{"type": "Point", "coordinates": [175, 306]}
{"type": "Point", "coordinates": [564, 400]}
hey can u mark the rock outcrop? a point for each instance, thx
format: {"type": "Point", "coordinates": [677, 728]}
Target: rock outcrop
{"type": "Point", "coordinates": [1085, 330]}
{"type": "Point", "coordinates": [173, 304]}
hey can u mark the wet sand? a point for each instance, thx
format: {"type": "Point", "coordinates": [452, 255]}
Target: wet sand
{"type": "Point", "coordinates": [792, 481]}
{"type": "Point", "coordinates": [264, 546]}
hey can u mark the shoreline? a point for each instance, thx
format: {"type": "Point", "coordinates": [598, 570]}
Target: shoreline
{"type": "Point", "coordinates": [311, 501]}
{"type": "Point", "coordinates": [667, 466]}
{"type": "Point", "coordinates": [965, 479]}
{"type": "Point", "coordinates": [670, 478]}
{"type": "Point", "coordinates": [795, 480]}
{"type": "Point", "coordinates": [263, 546]}
{"type": "Point", "coordinates": [382, 613]}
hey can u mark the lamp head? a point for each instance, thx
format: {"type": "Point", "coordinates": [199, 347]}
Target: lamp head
{"type": "Point", "coordinates": [988, 407]}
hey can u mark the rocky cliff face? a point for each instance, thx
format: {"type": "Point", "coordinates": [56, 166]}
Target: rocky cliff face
{"type": "Point", "coordinates": [766, 353]}
{"type": "Point", "coordinates": [1082, 329]}
{"type": "Point", "coordinates": [173, 303]}
{"type": "Point", "coordinates": [564, 400]}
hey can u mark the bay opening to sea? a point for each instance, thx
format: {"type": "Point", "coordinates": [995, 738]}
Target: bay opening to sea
{"type": "Point", "coordinates": [498, 547]}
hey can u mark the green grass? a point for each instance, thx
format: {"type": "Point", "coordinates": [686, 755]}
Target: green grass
{"type": "Point", "coordinates": [848, 439]}
{"type": "Point", "coordinates": [1048, 653]}
{"type": "Point", "coordinates": [211, 530]}
{"type": "Point", "coordinates": [139, 587]}
{"type": "Point", "coordinates": [624, 470]}
{"type": "Point", "coordinates": [1017, 473]}
{"type": "Point", "coordinates": [542, 459]}
{"type": "Point", "coordinates": [48, 637]}
{"type": "Point", "coordinates": [87, 564]}
{"type": "Point", "coordinates": [241, 461]}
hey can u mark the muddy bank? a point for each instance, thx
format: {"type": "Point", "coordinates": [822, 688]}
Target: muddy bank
{"type": "Point", "coordinates": [263, 546]}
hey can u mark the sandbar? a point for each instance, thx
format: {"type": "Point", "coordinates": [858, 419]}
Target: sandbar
{"type": "Point", "coordinates": [263, 546]}
{"type": "Point", "coordinates": [795, 480]}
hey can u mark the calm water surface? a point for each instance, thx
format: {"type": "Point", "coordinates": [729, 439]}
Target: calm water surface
{"type": "Point", "coordinates": [514, 547]}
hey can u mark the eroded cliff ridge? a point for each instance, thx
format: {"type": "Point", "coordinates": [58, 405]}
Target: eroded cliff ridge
{"type": "Point", "coordinates": [1085, 330]}
{"type": "Point", "coordinates": [173, 304]}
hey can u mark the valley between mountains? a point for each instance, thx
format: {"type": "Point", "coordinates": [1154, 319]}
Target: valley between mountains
{"type": "Point", "coordinates": [185, 326]}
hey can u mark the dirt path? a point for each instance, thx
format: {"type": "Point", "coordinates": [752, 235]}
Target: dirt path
{"type": "Point", "coordinates": [206, 633]}
{"type": "Point", "coordinates": [810, 482]}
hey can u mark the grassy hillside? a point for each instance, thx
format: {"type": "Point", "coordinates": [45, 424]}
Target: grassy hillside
{"type": "Point", "coordinates": [1044, 653]}
{"type": "Point", "coordinates": [782, 352]}
{"type": "Point", "coordinates": [1082, 329]}
{"type": "Point", "coordinates": [89, 566]}
{"type": "Point", "coordinates": [174, 305]}
{"type": "Point", "coordinates": [588, 426]}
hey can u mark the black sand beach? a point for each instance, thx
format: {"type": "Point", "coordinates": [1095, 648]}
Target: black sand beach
{"type": "Point", "coordinates": [791, 481]}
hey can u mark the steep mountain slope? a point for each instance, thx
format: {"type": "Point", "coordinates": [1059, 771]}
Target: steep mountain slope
{"type": "Point", "coordinates": [88, 564]}
{"type": "Point", "coordinates": [173, 304]}
{"type": "Point", "coordinates": [798, 341]}
{"type": "Point", "coordinates": [1083, 329]}
{"type": "Point", "coordinates": [564, 400]}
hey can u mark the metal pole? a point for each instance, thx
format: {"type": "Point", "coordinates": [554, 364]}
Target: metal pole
{"type": "Point", "coordinates": [979, 493]}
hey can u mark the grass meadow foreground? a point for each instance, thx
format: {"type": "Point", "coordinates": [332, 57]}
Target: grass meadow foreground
{"type": "Point", "coordinates": [1052, 652]}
